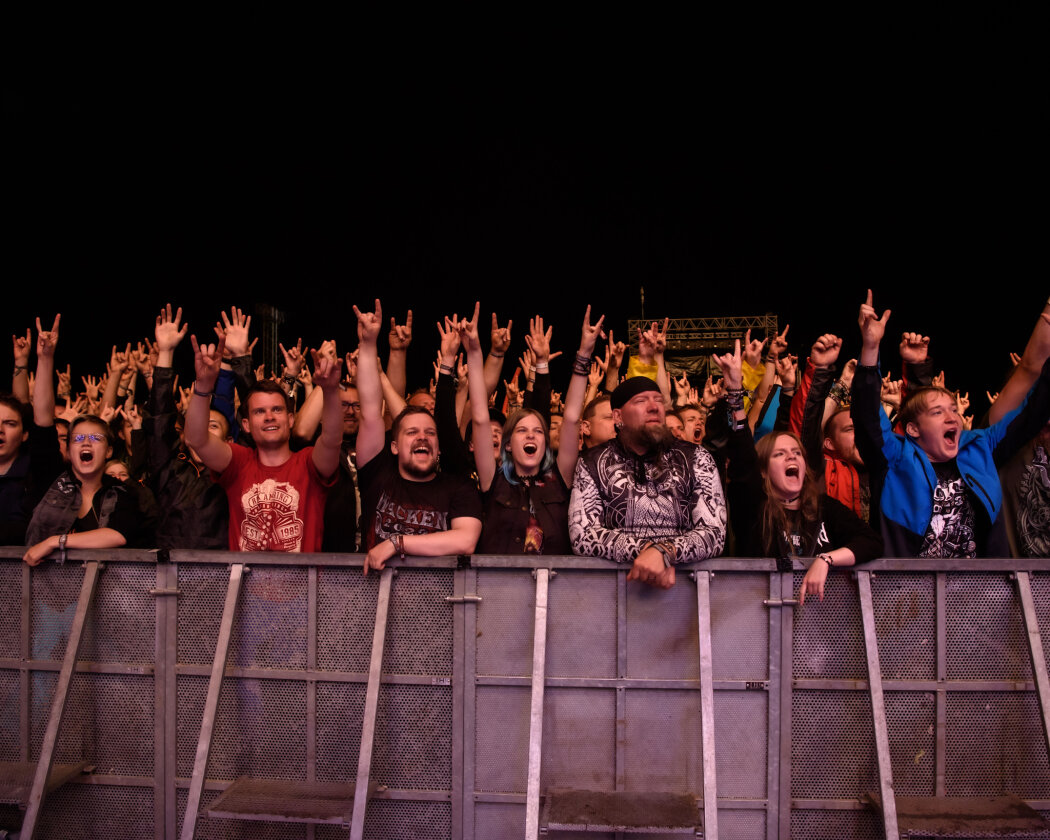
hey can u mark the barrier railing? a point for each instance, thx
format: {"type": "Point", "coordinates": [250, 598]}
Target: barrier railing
{"type": "Point", "coordinates": [409, 704]}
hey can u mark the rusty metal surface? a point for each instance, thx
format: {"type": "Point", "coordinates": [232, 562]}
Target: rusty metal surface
{"type": "Point", "coordinates": [980, 816]}
{"type": "Point", "coordinates": [281, 801]}
{"type": "Point", "coordinates": [587, 810]}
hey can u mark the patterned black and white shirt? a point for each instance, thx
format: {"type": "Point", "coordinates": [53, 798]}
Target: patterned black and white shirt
{"type": "Point", "coordinates": [621, 502]}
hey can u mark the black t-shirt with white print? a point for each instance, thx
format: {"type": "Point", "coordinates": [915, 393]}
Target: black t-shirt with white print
{"type": "Point", "coordinates": [953, 528]}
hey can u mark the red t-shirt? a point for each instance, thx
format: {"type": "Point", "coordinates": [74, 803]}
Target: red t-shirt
{"type": "Point", "coordinates": [274, 508]}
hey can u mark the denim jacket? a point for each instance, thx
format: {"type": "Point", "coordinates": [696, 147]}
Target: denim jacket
{"type": "Point", "coordinates": [60, 506]}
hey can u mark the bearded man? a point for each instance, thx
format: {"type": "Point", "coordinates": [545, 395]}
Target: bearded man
{"type": "Point", "coordinates": [645, 497]}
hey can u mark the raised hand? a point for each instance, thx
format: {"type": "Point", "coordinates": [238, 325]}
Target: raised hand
{"type": "Point", "coordinates": [47, 340]}
{"type": "Point", "coordinates": [938, 380]}
{"type": "Point", "coordinates": [825, 350]}
{"type": "Point", "coordinates": [713, 392]}
{"type": "Point", "coordinates": [351, 366]}
{"type": "Point", "coordinates": [207, 360]}
{"type": "Point", "coordinates": [400, 334]}
{"type": "Point", "coordinates": [617, 350]}
{"type": "Point", "coordinates": [169, 330]}
{"type": "Point", "coordinates": [450, 340]}
{"type": "Point", "coordinates": [513, 392]}
{"type": "Point", "coordinates": [914, 347]}
{"type": "Point", "coordinates": [91, 387]}
{"type": "Point", "coordinates": [293, 358]}
{"type": "Point", "coordinates": [962, 401]}
{"type": "Point", "coordinates": [500, 336]}
{"type": "Point", "coordinates": [235, 330]}
{"type": "Point", "coordinates": [539, 340]}
{"type": "Point", "coordinates": [891, 391]}
{"type": "Point", "coordinates": [328, 371]}
{"type": "Point", "coordinates": [65, 382]}
{"type": "Point", "coordinates": [21, 347]}
{"type": "Point", "coordinates": [849, 370]}
{"type": "Point", "coordinates": [597, 374]}
{"type": "Point", "coordinates": [468, 330]}
{"type": "Point", "coordinates": [779, 344]}
{"type": "Point", "coordinates": [732, 366]}
{"type": "Point", "coordinates": [369, 323]}
{"type": "Point", "coordinates": [1015, 360]}
{"type": "Point", "coordinates": [526, 362]}
{"type": "Point", "coordinates": [591, 333]}
{"type": "Point", "coordinates": [872, 327]}
{"type": "Point", "coordinates": [787, 366]}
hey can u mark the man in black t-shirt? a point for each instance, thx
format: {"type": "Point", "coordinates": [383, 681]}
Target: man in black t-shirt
{"type": "Point", "coordinates": [408, 506]}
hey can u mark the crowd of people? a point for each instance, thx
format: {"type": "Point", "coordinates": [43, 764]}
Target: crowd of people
{"type": "Point", "coordinates": [830, 461]}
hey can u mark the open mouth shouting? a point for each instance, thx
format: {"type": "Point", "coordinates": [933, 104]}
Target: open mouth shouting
{"type": "Point", "coordinates": [530, 448]}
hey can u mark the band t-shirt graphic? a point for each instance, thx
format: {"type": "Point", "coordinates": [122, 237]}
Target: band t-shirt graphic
{"type": "Point", "coordinates": [274, 508]}
{"type": "Point", "coordinates": [951, 532]}
{"type": "Point", "coordinates": [393, 505]}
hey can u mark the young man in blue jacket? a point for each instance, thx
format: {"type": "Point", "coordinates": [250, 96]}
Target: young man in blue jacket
{"type": "Point", "coordinates": [938, 482]}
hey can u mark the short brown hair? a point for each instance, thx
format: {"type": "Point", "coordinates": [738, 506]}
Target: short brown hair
{"type": "Point", "coordinates": [918, 402]}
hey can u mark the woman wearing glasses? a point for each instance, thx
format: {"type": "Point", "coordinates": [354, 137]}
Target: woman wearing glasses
{"type": "Point", "coordinates": [84, 507]}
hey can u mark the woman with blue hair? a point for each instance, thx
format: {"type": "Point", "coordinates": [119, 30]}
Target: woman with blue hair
{"type": "Point", "coordinates": [527, 495]}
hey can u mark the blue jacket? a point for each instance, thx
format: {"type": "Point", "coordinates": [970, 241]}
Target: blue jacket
{"type": "Point", "coordinates": [906, 478]}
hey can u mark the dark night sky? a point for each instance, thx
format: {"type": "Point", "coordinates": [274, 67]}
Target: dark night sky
{"type": "Point", "coordinates": [910, 166]}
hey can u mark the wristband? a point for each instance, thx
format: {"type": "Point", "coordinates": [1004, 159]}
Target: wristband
{"type": "Point", "coordinates": [398, 541]}
{"type": "Point", "coordinates": [542, 367]}
{"type": "Point", "coordinates": [735, 399]}
{"type": "Point", "coordinates": [826, 558]}
{"type": "Point", "coordinates": [202, 393]}
{"type": "Point", "coordinates": [446, 369]}
{"type": "Point", "coordinates": [496, 355]}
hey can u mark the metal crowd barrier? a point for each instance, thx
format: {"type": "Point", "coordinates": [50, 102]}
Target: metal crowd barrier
{"type": "Point", "coordinates": [214, 694]}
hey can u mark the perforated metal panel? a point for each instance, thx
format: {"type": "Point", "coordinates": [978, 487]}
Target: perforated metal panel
{"type": "Point", "coordinates": [121, 626]}
{"type": "Point", "coordinates": [579, 735]}
{"type": "Point", "coordinates": [906, 625]}
{"type": "Point", "coordinates": [260, 728]}
{"type": "Point", "coordinates": [742, 825]}
{"type": "Point", "coordinates": [835, 825]}
{"type": "Point", "coordinates": [109, 720]}
{"type": "Point", "coordinates": [270, 631]}
{"type": "Point", "coordinates": [11, 613]}
{"type": "Point", "coordinates": [829, 642]}
{"type": "Point", "coordinates": [662, 744]}
{"type": "Point", "coordinates": [910, 718]}
{"type": "Point", "coordinates": [400, 820]}
{"type": "Point", "coordinates": [832, 745]}
{"type": "Point", "coordinates": [55, 590]}
{"type": "Point", "coordinates": [10, 683]}
{"type": "Point", "coordinates": [419, 629]}
{"type": "Point", "coordinates": [995, 744]}
{"type": "Point", "coordinates": [199, 606]}
{"type": "Point", "coordinates": [340, 709]}
{"type": "Point", "coordinates": [984, 629]}
{"type": "Point", "coordinates": [501, 741]}
{"type": "Point", "coordinates": [662, 635]}
{"type": "Point", "coordinates": [740, 626]}
{"type": "Point", "coordinates": [1041, 598]}
{"type": "Point", "coordinates": [346, 614]}
{"type": "Point", "coordinates": [413, 742]}
{"type": "Point", "coordinates": [582, 642]}
{"type": "Point", "coordinates": [505, 620]}
{"type": "Point", "coordinates": [95, 811]}
{"type": "Point", "coordinates": [496, 819]}
{"type": "Point", "coordinates": [741, 725]}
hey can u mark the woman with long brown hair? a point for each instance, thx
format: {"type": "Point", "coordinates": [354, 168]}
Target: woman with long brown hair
{"type": "Point", "coordinates": [775, 503]}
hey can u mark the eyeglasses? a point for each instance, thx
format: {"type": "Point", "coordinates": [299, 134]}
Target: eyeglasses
{"type": "Point", "coordinates": [94, 438]}
{"type": "Point", "coordinates": [352, 406]}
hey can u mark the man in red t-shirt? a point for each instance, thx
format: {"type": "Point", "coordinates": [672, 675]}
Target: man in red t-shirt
{"type": "Point", "coordinates": [276, 496]}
